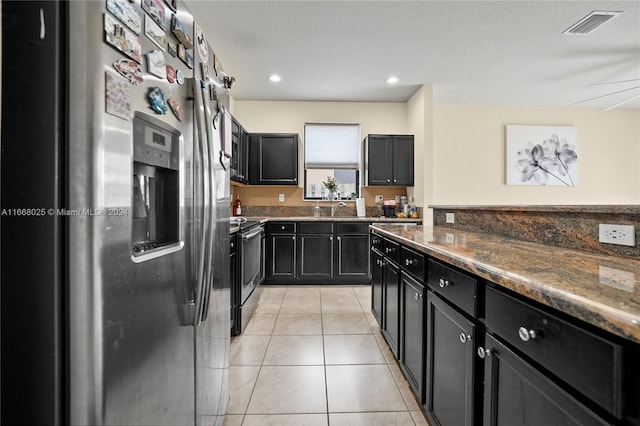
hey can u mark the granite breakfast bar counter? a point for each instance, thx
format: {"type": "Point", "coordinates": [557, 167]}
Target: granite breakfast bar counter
{"type": "Point", "coordinates": [601, 290]}
{"type": "Point", "coordinates": [492, 330]}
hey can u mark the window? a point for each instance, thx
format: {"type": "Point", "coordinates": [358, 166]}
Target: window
{"type": "Point", "coordinates": [331, 150]}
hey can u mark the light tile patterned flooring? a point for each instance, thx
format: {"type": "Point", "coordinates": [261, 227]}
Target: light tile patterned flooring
{"type": "Point", "coordinates": [314, 355]}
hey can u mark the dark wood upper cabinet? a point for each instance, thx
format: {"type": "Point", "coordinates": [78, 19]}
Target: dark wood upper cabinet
{"type": "Point", "coordinates": [388, 160]}
{"type": "Point", "coordinates": [239, 152]}
{"type": "Point", "coordinates": [273, 159]}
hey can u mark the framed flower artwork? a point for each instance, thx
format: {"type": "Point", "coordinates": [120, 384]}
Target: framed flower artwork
{"type": "Point", "coordinates": [541, 155]}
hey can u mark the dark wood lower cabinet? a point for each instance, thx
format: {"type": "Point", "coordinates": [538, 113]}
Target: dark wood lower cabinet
{"type": "Point", "coordinates": [412, 329]}
{"type": "Point", "coordinates": [316, 256]}
{"type": "Point", "coordinates": [391, 309]}
{"type": "Point", "coordinates": [352, 256]}
{"type": "Point", "coordinates": [517, 394]}
{"type": "Point", "coordinates": [282, 256]}
{"type": "Point", "coordinates": [450, 365]}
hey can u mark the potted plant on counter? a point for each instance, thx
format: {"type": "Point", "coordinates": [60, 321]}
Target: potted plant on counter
{"type": "Point", "coordinates": [332, 187]}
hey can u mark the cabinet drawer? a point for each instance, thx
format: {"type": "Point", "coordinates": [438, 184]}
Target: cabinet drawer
{"type": "Point", "coordinates": [315, 228]}
{"type": "Point", "coordinates": [281, 227]}
{"type": "Point", "coordinates": [391, 250]}
{"type": "Point", "coordinates": [587, 362]}
{"type": "Point", "coordinates": [377, 242]}
{"type": "Point", "coordinates": [412, 262]}
{"type": "Point", "coordinates": [352, 228]}
{"type": "Point", "coordinates": [455, 286]}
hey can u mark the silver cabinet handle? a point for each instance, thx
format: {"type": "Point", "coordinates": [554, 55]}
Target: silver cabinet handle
{"type": "Point", "coordinates": [464, 338]}
{"type": "Point", "coordinates": [484, 353]}
{"type": "Point", "coordinates": [526, 334]}
{"type": "Point", "coordinates": [443, 283]}
{"type": "Point", "coordinates": [417, 296]}
{"type": "Point", "coordinates": [408, 262]}
{"type": "Point", "coordinates": [283, 228]}
{"type": "Point", "coordinates": [293, 238]}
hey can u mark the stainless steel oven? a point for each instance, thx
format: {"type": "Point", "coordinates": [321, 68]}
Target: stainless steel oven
{"type": "Point", "coordinates": [250, 258]}
{"type": "Point", "coordinates": [251, 240]}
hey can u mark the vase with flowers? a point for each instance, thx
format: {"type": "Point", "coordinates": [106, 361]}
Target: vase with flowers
{"type": "Point", "coordinates": [331, 186]}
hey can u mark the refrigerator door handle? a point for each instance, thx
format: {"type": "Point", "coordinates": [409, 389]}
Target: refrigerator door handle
{"type": "Point", "coordinates": [208, 121]}
{"type": "Point", "coordinates": [201, 240]}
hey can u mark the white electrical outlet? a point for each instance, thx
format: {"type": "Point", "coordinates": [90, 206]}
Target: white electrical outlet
{"type": "Point", "coordinates": [450, 217]}
{"type": "Point", "coordinates": [379, 198]}
{"type": "Point", "coordinates": [281, 198]}
{"type": "Point", "coordinates": [623, 235]}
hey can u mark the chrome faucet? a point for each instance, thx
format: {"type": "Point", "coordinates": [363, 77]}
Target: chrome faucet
{"type": "Point", "coordinates": [334, 208]}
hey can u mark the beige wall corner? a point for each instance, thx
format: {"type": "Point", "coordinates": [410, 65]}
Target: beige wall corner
{"type": "Point", "coordinates": [420, 124]}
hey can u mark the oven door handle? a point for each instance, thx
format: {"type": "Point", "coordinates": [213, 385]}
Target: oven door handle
{"type": "Point", "coordinates": [252, 235]}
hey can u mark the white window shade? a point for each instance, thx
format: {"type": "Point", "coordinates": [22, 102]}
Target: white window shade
{"type": "Point", "coordinates": [331, 146]}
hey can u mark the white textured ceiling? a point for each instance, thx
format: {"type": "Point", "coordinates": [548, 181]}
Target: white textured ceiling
{"type": "Point", "coordinates": [473, 52]}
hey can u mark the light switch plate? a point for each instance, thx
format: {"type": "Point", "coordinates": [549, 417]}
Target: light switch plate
{"type": "Point", "coordinates": [281, 198]}
{"type": "Point", "coordinates": [379, 198]}
{"type": "Point", "coordinates": [450, 218]}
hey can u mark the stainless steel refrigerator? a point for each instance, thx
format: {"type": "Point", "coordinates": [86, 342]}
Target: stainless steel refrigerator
{"type": "Point", "coordinates": [115, 205]}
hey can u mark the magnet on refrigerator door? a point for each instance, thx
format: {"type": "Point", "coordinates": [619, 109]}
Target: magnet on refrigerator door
{"type": "Point", "coordinates": [130, 70]}
{"type": "Point", "coordinates": [156, 64]}
{"type": "Point", "coordinates": [117, 96]}
{"type": "Point", "coordinates": [173, 4]}
{"type": "Point", "coordinates": [127, 13]}
{"type": "Point", "coordinates": [122, 39]}
{"type": "Point", "coordinates": [154, 32]}
{"type": "Point", "coordinates": [156, 10]}
{"type": "Point", "coordinates": [158, 100]}
{"type": "Point", "coordinates": [201, 42]}
{"type": "Point", "coordinates": [172, 49]}
{"type": "Point", "coordinates": [180, 32]}
{"type": "Point", "coordinates": [171, 74]}
{"type": "Point", "coordinates": [176, 108]}
{"type": "Point", "coordinates": [179, 77]}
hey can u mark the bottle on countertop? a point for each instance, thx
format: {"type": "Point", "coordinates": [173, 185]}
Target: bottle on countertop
{"type": "Point", "coordinates": [316, 210]}
{"type": "Point", "coordinates": [237, 207]}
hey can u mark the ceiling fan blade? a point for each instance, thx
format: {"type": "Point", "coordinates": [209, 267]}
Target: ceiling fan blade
{"type": "Point", "coordinates": [608, 94]}
{"type": "Point", "coordinates": [623, 102]}
{"type": "Point", "coordinates": [614, 82]}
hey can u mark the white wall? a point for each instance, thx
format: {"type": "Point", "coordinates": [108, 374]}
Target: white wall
{"type": "Point", "coordinates": [469, 155]}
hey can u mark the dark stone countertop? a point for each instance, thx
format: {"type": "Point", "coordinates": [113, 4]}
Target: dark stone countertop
{"type": "Point", "coordinates": [572, 281]}
{"type": "Point", "coordinates": [366, 219]}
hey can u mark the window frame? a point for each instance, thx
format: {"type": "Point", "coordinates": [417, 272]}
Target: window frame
{"type": "Point", "coordinates": [358, 170]}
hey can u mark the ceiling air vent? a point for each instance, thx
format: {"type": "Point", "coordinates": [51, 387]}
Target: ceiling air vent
{"type": "Point", "coordinates": [590, 22]}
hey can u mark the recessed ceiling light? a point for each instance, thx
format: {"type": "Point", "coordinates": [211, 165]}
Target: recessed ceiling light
{"type": "Point", "coordinates": [274, 78]}
{"type": "Point", "coordinates": [392, 80]}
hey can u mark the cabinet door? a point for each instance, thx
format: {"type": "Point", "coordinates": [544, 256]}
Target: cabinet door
{"type": "Point", "coordinates": [450, 365]}
{"type": "Point", "coordinates": [273, 159]}
{"type": "Point", "coordinates": [282, 262]}
{"type": "Point", "coordinates": [379, 159]}
{"type": "Point", "coordinates": [517, 394]}
{"type": "Point", "coordinates": [236, 150]}
{"type": "Point", "coordinates": [377, 268]}
{"type": "Point", "coordinates": [402, 161]}
{"type": "Point", "coordinates": [353, 255]}
{"type": "Point", "coordinates": [391, 288]}
{"type": "Point", "coordinates": [316, 256]}
{"type": "Point", "coordinates": [413, 326]}
{"type": "Point", "coordinates": [243, 166]}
